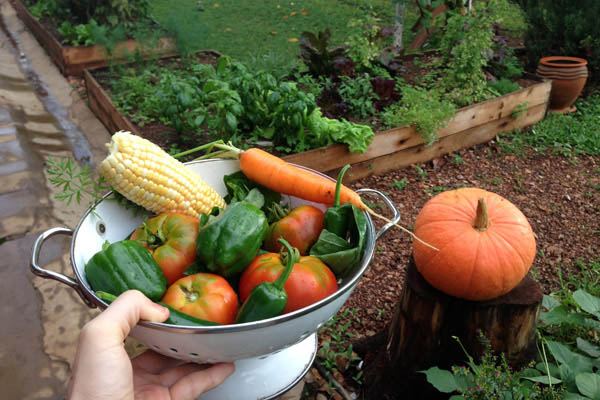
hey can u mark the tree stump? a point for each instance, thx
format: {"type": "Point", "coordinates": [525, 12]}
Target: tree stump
{"type": "Point", "coordinates": [425, 321]}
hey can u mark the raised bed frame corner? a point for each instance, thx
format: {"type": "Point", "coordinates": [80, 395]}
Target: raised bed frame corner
{"type": "Point", "coordinates": [395, 148]}
{"type": "Point", "coordinates": [73, 60]}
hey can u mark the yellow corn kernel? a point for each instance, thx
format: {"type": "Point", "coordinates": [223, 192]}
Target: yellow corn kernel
{"type": "Point", "coordinates": [148, 176]}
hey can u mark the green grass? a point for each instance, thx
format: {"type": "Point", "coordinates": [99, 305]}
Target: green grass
{"type": "Point", "coordinates": [568, 135]}
{"type": "Point", "coordinates": [268, 30]}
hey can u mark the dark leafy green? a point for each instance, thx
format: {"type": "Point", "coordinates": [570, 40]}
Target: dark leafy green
{"type": "Point", "coordinates": [239, 187]}
{"type": "Point", "coordinates": [343, 253]}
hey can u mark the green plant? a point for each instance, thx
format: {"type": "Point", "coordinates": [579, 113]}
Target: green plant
{"type": "Point", "coordinates": [400, 184]}
{"type": "Point", "coordinates": [576, 370]}
{"type": "Point", "coordinates": [490, 378]}
{"type": "Point", "coordinates": [77, 35]}
{"type": "Point", "coordinates": [335, 352]}
{"type": "Point", "coordinates": [316, 54]}
{"type": "Point", "coordinates": [365, 42]}
{"type": "Point", "coordinates": [566, 135]}
{"type": "Point", "coordinates": [503, 86]}
{"type": "Point", "coordinates": [73, 181]}
{"type": "Point", "coordinates": [457, 160]}
{"type": "Point", "coordinates": [519, 110]}
{"type": "Point", "coordinates": [464, 47]}
{"type": "Point", "coordinates": [421, 172]}
{"type": "Point", "coordinates": [233, 102]}
{"type": "Point", "coordinates": [425, 109]}
{"type": "Point", "coordinates": [432, 191]}
{"type": "Point", "coordinates": [357, 93]}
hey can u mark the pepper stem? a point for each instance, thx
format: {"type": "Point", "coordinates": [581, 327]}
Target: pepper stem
{"type": "Point", "coordinates": [109, 298]}
{"type": "Point", "coordinates": [481, 218]}
{"type": "Point", "coordinates": [291, 257]}
{"type": "Point", "coordinates": [338, 185]}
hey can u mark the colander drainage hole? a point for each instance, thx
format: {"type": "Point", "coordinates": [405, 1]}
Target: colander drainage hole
{"type": "Point", "coordinates": [194, 354]}
{"type": "Point", "coordinates": [173, 350]}
{"type": "Point", "coordinates": [156, 347]}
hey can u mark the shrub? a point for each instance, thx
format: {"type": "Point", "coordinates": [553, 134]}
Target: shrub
{"type": "Point", "coordinates": [563, 27]}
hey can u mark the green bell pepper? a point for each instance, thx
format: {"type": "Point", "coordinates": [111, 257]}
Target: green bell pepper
{"type": "Point", "coordinates": [227, 243]}
{"type": "Point", "coordinates": [126, 265]}
{"type": "Point", "coordinates": [268, 299]}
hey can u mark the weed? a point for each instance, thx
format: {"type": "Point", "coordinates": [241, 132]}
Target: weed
{"type": "Point", "coordinates": [496, 181]}
{"type": "Point", "coordinates": [400, 184]}
{"type": "Point", "coordinates": [457, 160]}
{"type": "Point", "coordinates": [421, 172]}
{"type": "Point", "coordinates": [567, 135]}
{"type": "Point", "coordinates": [519, 110]}
{"type": "Point", "coordinates": [335, 353]}
{"type": "Point", "coordinates": [432, 191]}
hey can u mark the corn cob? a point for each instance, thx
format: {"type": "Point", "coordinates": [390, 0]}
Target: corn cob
{"type": "Point", "coordinates": [145, 174]}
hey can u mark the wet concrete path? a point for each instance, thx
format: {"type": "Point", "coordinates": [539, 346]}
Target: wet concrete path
{"type": "Point", "coordinates": [39, 319]}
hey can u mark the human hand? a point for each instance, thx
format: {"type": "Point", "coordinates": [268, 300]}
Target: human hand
{"type": "Point", "coordinates": [103, 370]}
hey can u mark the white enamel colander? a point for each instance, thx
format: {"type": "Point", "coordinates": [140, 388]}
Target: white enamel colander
{"type": "Point", "coordinates": [110, 221]}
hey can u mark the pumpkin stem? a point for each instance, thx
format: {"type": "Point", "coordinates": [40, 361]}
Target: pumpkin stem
{"type": "Point", "coordinates": [481, 219]}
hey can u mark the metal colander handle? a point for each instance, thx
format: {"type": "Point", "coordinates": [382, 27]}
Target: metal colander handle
{"type": "Point", "coordinates": [388, 202]}
{"type": "Point", "coordinates": [47, 274]}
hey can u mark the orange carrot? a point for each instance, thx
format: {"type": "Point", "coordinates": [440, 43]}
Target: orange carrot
{"type": "Point", "coordinates": [276, 174]}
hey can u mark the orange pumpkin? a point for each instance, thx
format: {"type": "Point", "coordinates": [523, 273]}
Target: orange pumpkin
{"type": "Point", "coordinates": [485, 244]}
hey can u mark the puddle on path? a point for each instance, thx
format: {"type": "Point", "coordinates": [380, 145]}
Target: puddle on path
{"type": "Point", "coordinates": [39, 319]}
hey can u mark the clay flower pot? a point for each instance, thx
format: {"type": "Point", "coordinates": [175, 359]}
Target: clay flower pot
{"type": "Point", "coordinates": [568, 75]}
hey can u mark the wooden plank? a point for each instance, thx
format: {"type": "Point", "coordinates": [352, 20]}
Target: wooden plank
{"type": "Point", "coordinates": [394, 140]}
{"type": "Point", "coordinates": [46, 39]}
{"type": "Point", "coordinates": [79, 58]}
{"type": "Point", "coordinates": [448, 144]}
{"type": "Point", "coordinates": [103, 107]}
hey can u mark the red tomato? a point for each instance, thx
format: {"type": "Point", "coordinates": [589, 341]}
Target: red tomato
{"type": "Point", "coordinates": [301, 228]}
{"type": "Point", "coordinates": [310, 281]}
{"type": "Point", "coordinates": [171, 238]}
{"type": "Point", "coordinates": [205, 296]}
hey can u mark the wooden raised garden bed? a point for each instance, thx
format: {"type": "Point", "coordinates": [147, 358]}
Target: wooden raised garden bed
{"type": "Point", "coordinates": [73, 60]}
{"type": "Point", "coordinates": [394, 148]}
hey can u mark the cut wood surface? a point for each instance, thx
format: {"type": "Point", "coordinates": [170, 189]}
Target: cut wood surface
{"type": "Point", "coordinates": [423, 330]}
{"type": "Point", "coordinates": [73, 60]}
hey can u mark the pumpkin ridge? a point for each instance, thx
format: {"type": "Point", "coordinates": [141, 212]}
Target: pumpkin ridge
{"type": "Point", "coordinates": [440, 249]}
{"type": "Point", "coordinates": [452, 207]}
{"type": "Point", "coordinates": [439, 221]}
{"type": "Point", "coordinates": [499, 235]}
{"type": "Point", "coordinates": [505, 284]}
{"type": "Point", "coordinates": [475, 262]}
{"type": "Point", "coordinates": [514, 267]}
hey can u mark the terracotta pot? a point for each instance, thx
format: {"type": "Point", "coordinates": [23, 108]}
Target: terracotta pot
{"type": "Point", "coordinates": [568, 75]}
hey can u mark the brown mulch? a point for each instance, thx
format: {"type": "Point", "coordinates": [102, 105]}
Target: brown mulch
{"type": "Point", "coordinates": [559, 196]}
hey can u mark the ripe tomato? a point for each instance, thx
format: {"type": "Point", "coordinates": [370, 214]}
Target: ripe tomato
{"type": "Point", "coordinates": [171, 238]}
{"type": "Point", "coordinates": [301, 228]}
{"type": "Point", "coordinates": [205, 296]}
{"type": "Point", "coordinates": [310, 281]}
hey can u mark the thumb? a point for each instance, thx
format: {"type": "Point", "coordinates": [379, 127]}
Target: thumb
{"type": "Point", "coordinates": [125, 312]}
